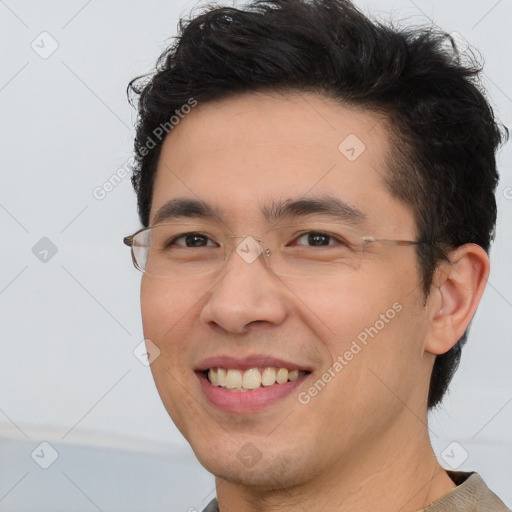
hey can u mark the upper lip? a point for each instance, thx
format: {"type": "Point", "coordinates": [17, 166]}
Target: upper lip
{"type": "Point", "coordinates": [245, 363]}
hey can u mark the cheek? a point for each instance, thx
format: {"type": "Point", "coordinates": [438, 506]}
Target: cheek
{"type": "Point", "coordinates": [348, 308]}
{"type": "Point", "coordinates": [163, 302]}
{"type": "Point", "coordinates": [370, 320]}
{"type": "Point", "coordinates": [167, 310]}
{"type": "Point", "coordinates": [375, 356]}
{"type": "Point", "coordinates": [167, 317]}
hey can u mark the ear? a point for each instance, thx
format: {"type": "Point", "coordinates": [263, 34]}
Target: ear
{"type": "Point", "coordinates": [457, 287]}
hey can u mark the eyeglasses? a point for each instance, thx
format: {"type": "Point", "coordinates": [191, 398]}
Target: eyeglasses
{"type": "Point", "coordinates": [315, 250]}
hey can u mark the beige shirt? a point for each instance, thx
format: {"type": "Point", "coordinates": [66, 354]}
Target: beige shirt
{"type": "Point", "coordinates": [470, 495]}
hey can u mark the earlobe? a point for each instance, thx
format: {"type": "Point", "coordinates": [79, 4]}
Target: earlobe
{"type": "Point", "coordinates": [456, 291]}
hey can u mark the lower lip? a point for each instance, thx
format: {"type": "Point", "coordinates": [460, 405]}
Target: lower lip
{"type": "Point", "coordinates": [247, 401]}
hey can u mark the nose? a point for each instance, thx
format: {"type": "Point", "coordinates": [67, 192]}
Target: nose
{"type": "Point", "coordinates": [247, 293]}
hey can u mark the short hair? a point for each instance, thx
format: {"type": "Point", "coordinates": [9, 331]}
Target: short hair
{"type": "Point", "coordinates": [442, 130]}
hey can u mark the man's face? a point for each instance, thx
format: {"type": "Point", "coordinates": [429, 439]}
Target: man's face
{"type": "Point", "coordinates": [240, 156]}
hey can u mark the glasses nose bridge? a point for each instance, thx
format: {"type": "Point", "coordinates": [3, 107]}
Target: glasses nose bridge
{"type": "Point", "coordinates": [249, 249]}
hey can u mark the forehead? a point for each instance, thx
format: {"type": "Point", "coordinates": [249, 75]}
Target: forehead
{"type": "Point", "coordinates": [244, 153]}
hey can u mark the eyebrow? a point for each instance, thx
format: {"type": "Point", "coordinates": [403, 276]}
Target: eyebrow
{"type": "Point", "coordinates": [328, 206]}
{"type": "Point", "coordinates": [186, 208]}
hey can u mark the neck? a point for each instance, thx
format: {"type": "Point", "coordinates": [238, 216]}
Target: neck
{"type": "Point", "coordinates": [399, 472]}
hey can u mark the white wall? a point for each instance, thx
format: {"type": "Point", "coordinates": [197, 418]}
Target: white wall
{"type": "Point", "coordinates": [70, 324]}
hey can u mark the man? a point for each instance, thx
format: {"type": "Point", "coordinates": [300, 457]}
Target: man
{"type": "Point", "coordinates": [317, 195]}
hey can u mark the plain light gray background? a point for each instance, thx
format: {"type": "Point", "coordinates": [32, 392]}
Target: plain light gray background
{"type": "Point", "coordinates": [70, 318]}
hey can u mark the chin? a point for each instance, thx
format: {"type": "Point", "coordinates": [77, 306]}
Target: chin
{"type": "Point", "coordinates": [267, 470]}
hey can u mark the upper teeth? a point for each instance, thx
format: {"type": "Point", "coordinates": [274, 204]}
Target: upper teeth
{"type": "Point", "coordinates": [252, 378]}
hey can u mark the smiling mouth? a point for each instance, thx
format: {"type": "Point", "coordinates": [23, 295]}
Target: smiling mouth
{"type": "Point", "coordinates": [254, 378]}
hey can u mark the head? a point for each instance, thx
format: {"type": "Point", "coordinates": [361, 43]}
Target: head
{"type": "Point", "coordinates": [250, 107]}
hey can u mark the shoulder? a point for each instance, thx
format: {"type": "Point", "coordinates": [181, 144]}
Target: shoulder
{"type": "Point", "coordinates": [212, 506]}
{"type": "Point", "coordinates": [470, 495]}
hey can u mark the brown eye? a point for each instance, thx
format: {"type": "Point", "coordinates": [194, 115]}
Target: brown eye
{"type": "Point", "coordinates": [318, 239]}
{"type": "Point", "coordinates": [192, 240]}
